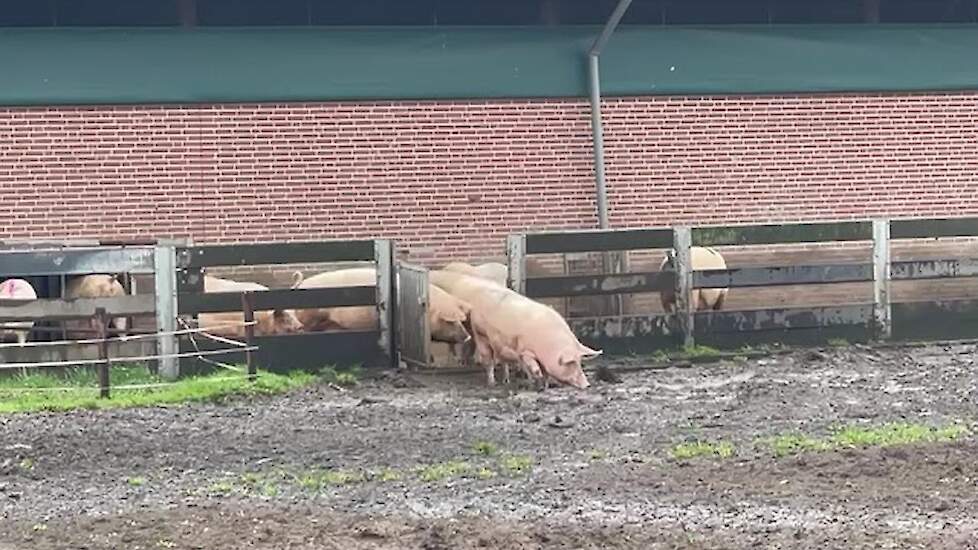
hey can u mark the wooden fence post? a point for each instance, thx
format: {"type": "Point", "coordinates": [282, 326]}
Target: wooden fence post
{"type": "Point", "coordinates": [165, 280]}
{"type": "Point", "coordinates": [685, 309]}
{"type": "Point", "coordinates": [384, 259]}
{"type": "Point", "coordinates": [248, 309]}
{"type": "Point", "coordinates": [516, 259]}
{"type": "Point", "coordinates": [882, 320]}
{"type": "Point", "coordinates": [102, 323]}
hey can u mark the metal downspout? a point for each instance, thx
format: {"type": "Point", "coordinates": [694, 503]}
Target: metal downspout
{"type": "Point", "coordinates": [594, 85]}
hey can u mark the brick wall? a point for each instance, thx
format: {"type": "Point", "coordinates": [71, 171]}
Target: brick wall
{"type": "Point", "coordinates": [450, 179]}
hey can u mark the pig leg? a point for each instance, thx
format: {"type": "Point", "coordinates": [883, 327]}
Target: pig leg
{"type": "Point", "coordinates": [718, 305]}
{"type": "Point", "coordinates": [485, 357]}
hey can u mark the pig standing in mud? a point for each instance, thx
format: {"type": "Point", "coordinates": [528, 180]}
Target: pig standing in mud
{"type": "Point", "coordinates": [447, 315]}
{"type": "Point", "coordinates": [511, 328]}
{"type": "Point", "coordinates": [703, 258]}
{"type": "Point", "coordinates": [93, 286]}
{"type": "Point", "coordinates": [16, 289]}
{"type": "Point", "coordinates": [267, 323]}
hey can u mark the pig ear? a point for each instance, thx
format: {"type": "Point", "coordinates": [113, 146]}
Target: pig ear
{"type": "Point", "coordinates": [588, 352]}
{"type": "Point", "coordinates": [297, 278]}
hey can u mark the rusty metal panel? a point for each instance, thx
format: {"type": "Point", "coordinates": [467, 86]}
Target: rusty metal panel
{"type": "Point", "coordinates": [782, 233]}
{"type": "Point", "coordinates": [627, 326]}
{"type": "Point", "coordinates": [937, 320]}
{"type": "Point", "coordinates": [708, 322]}
{"type": "Point", "coordinates": [593, 285]}
{"type": "Point", "coordinates": [783, 275]}
{"type": "Point", "coordinates": [275, 253]}
{"type": "Point", "coordinates": [77, 261]}
{"type": "Point", "coordinates": [415, 333]}
{"type": "Point", "coordinates": [933, 269]}
{"type": "Point", "coordinates": [934, 228]}
{"type": "Point", "coordinates": [594, 240]}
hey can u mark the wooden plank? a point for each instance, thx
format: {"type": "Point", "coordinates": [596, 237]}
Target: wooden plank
{"type": "Point", "coordinates": [782, 233]}
{"type": "Point", "coordinates": [597, 240]}
{"type": "Point", "coordinates": [80, 308]}
{"type": "Point", "coordinates": [782, 275]}
{"type": "Point", "coordinates": [284, 298]}
{"type": "Point", "coordinates": [595, 285]}
{"type": "Point", "coordinates": [76, 262]}
{"type": "Point", "coordinates": [933, 228]}
{"type": "Point", "coordinates": [275, 253]}
{"type": "Point", "coordinates": [708, 322]}
{"type": "Point", "coordinates": [934, 269]}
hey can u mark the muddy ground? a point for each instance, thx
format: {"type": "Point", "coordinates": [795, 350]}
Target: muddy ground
{"type": "Point", "coordinates": [600, 475]}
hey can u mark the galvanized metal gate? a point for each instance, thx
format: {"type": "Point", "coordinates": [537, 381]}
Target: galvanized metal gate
{"type": "Point", "coordinates": [414, 334]}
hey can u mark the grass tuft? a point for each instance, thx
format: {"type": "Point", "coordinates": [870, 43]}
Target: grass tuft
{"type": "Point", "coordinates": [485, 448]}
{"type": "Point", "coordinates": [517, 463]}
{"type": "Point", "coordinates": [887, 435]}
{"type": "Point", "coordinates": [686, 451]}
{"type": "Point", "coordinates": [443, 470]}
{"type": "Point", "coordinates": [136, 481]}
{"type": "Point", "coordinates": [81, 390]}
{"type": "Point", "coordinates": [317, 480]}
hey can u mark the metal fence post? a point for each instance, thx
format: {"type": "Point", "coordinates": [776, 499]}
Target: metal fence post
{"type": "Point", "coordinates": [386, 296]}
{"type": "Point", "coordinates": [516, 259]}
{"type": "Point", "coordinates": [166, 309]}
{"type": "Point", "coordinates": [882, 319]}
{"type": "Point", "coordinates": [685, 308]}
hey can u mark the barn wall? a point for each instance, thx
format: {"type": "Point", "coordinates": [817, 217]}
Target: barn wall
{"type": "Point", "coordinates": [451, 179]}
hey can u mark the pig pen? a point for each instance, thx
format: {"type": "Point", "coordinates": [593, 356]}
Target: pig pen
{"type": "Point", "coordinates": [414, 462]}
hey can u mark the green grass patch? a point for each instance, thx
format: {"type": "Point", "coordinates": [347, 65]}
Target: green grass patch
{"type": "Point", "coordinates": [788, 444]}
{"type": "Point", "coordinates": [485, 448]}
{"type": "Point", "coordinates": [81, 391]}
{"type": "Point", "coordinates": [317, 480]}
{"type": "Point", "coordinates": [597, 454]}
{"type": "Point", "coordinates": [699, 352]}
{"type": "Point", "coordinates": [517, 464]}
{"type": "Point", "coordinates": [347, 376]}
{"type": "Point", "coordinates": [837, 342]}
{"type": "Point", "coordinates": [886, 435]}
{"type": "Point", "coordinates": [136, 481]}
{"type": "Point", "coordinates": [695, 449]}
{"type": "Point", "coordinates": [443, 470]}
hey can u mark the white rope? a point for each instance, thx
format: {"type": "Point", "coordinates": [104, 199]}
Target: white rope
{"type": "Point", "coordinates": [8, 366]}
{"type": "Point", "coordinates": [128, 338]}
{"type": "Point", "coordinates": [113, 388]}
{"type": "Point", "coordinates": [204, 359]}
{"type": "Point", "coordinates": [224, 340]}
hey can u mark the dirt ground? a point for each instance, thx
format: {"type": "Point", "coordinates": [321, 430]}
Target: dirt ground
{"type": "Point", "coordinates": [601, 474]}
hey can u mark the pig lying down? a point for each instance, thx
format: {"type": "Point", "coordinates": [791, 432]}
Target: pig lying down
{"type": "Point", "coordinates": [511, 329]}
{"type": "Point", "coordinates": [447, 315]}
{"type": "Point", "coordinates": [267, 323]}
{"type": "Point", "coordinates": [16, 289]}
